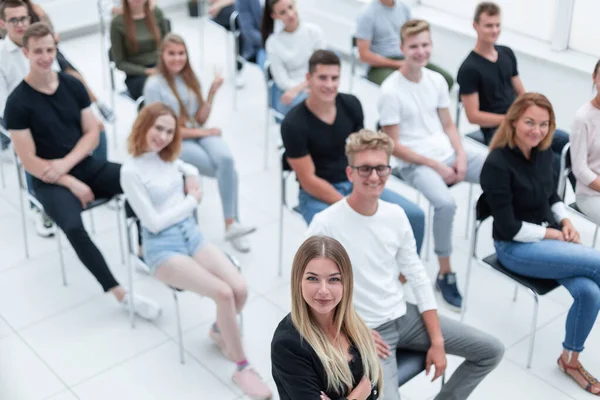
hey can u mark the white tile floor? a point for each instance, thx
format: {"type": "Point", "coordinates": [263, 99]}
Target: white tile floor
{"type": "Point", "coordinates": [66, 343]}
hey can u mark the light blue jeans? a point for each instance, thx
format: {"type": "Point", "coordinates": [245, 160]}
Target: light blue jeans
{"type": "Point", "coordinates": [574, 266]}
{"type": "Point", "coordinates": [276, 94]}
{"type": "Point", "coordinates": [309, 206]}
{"type": "Point", "coordinates": [213, 158]}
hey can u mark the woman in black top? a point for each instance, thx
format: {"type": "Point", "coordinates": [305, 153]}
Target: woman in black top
{"type": "Point", "coordinates": [532, 234]}
{"type": "Point", "coordinates": [323, 350]}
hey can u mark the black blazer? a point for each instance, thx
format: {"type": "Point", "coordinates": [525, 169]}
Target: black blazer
{"type": "Point", "coordinates": [298, 372]}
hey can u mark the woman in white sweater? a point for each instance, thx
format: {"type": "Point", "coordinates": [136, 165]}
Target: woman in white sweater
{"type": "Point", "coordinates": [288, 52]}
{"type": "Point", "coordinates": [164, 193]}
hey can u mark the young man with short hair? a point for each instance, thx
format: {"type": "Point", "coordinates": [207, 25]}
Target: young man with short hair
{"type": "Point", "coordinates": [14, 67]}
{"type": "Point", "coordinates": [314, 134]}
{"type": "Point", "coordinates": [378, 39]}
{"type": "Point", "coordinates": [489, 79]}
{"type": "Point", "coordinates": [413, 109]}
{"type": "Point", "coordinates": [54, 130]}
{"type": "Point", "coordinates": [380, 244]}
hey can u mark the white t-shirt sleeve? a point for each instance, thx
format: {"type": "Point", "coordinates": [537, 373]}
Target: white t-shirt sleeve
{"type": "Point", "coordinates": [389, 107]}
{"type": "Point", "coordinates": [410, 264]}
{"type": "Point", "coordinates": [442, 89]}
{"type": "Point", "coordinates": [365, 25]}
{"type": "Point", "coordinates": [138, 198]}
{"type": "Point", "coordinates": [317, 35]}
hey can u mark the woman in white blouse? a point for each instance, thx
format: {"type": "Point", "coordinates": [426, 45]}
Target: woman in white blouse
{"type": "Point", "coordinates": [288, 52]}
{"type": "Point", "coordinates": [164, 193]}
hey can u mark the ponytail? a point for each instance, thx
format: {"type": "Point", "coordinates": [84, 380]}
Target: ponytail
{"type": "Point", "coordinates": [268, 24]}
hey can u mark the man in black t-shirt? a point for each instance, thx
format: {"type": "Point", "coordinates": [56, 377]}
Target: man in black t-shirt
{"type": "Point", "coordinates": [54, 130]}
{"type": "Point", "coordinates": [314, 136]}
{"type": "Point", "coordinates": [489, 80]}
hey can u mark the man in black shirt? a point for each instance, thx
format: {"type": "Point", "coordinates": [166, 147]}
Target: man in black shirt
{"type": "Point", "coordinates": [54, 130]}
{"type": "Point", "coordinates": [314, 136]}
{"type": "Point", "coordinates": [489, 80]}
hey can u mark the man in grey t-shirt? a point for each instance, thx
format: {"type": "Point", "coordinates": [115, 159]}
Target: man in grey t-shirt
{"type": "Point", "coordinates": [378, 39]}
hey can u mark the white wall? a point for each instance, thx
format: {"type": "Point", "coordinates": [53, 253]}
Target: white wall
{"type": "Point", "coordinates": [585, 30]}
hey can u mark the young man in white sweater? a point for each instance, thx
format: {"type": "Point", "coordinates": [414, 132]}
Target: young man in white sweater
{"type": "Point", "coordinates": [381, 245]}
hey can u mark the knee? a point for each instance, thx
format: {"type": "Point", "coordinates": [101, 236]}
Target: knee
{"type": "Point", "coordinates": [240, 290]}
{"type": "Point", "coordinates": [225, 161]}
{"type": "Point", "coordinates": [224, 295]}
{"type": "Point", "coordinates": [447, 206]}
{"type": "Point", "coordinates": [73, 228]}
{"type": "Point", "coordinates": [495, 351]}
{"type": "Point", "coordinates": [589, 294]}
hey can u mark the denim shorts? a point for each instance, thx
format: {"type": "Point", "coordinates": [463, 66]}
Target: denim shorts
{"type": "Point", "coordinates": [183, 238]}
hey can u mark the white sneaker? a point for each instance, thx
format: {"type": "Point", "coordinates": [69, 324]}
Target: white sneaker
{"type": "Point", "coordinates": [241, 244]}
{"type": "Point", "coordinates": [237, 229]}
{"type": "Point", "coordinates": [142, 306]}
{"type": "Point", "coordinates": [44, 226]}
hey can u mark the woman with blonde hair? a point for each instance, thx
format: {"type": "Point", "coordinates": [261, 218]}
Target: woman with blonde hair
{"type": "Point", "coordinates": [532, 234]}
{"type": "Point", "coordinates": [323, 348]}
{"type": "Point", "coordinates": [164, 192]}
{"type": "Point", "coordinates": [177, 85]}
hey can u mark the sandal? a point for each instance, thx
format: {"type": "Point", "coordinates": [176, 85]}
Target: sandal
{"type": "Point", "coordinates": [591, 381]}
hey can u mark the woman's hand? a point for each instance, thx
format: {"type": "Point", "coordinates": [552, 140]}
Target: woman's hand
{"type": "Point", "coordinates": [324, 396]}
{"type": "Point", "coordinates": [554, 234]}
{"type": "Point", "coordinates": [362, 391]}
{"type": "Point", "coordinates": [217, 81]}
{"type": "Point", "coordinates": [151, 71]}
{"type": "Point", "coordinates": [383, 349]}
{"type": "Point", "coordinates": [192, 182]}
{"type": "Point", "coordinates": [436, 356]}
{"type": "Point", "coordinates": [288, 96]}
{"type": "Point", "coordinates": [569, 232]}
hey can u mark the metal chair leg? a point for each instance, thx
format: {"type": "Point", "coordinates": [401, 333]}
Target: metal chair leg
{"type": "Point", "coordinates": [130, 253]}
{"type": "Point", "coordinates": [92, 221]}
{"type": "Point", "coordinates": [595, 236]}
{"type": "Point", "coordinates": [179, 329]}
{"type": "Point", "coordinates": [23, 221]}
{"type": "Point", "coordinates": [470, 209]}
{"type": "Point", "coordinates": [61, 258]}
{"type": "Point", "coordinates": [120, 211]}
{"type": "Point", "coordinates": [281, 206]}
{"type": "Point", "coordinates": [536, 304]}
{"type": "Point", "coordinates": [516, 292]}
{"type": "Point", "coordinates": [2, 173]}
{"type": "Point", "coordinates": [428, 234]}
{"type": "Point", "coordinates": [267, 128]}
{"type": "Point", "coordinates": [472, 255]}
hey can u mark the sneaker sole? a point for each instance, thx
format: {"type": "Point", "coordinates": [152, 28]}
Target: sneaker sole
{"type": "Point", "coordinates": [240, 234]}
{"type": "Point", "coordinates": [443, 301]}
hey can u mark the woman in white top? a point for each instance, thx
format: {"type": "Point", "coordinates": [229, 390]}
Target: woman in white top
{"type": "Point", "coordinates": [585, 153]}
{"type": "Point", "coordinates": [288, 52]}
{"type": "Point", "coordinates": [177, 86]}
{"type": "Point", "coordinates": [164, 192]}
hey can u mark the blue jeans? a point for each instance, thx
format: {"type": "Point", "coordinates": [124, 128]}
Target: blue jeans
{"type": "Point", "coordinates": [574, 266]}
{"type": "Point", "coordinates": [276, 94]}
{"type": "Point", "coordinates": [213, 158]}
{"type": "Point", "coordinates": [309, 206]}
{"type": "Point", "coordinates": [100, 152]}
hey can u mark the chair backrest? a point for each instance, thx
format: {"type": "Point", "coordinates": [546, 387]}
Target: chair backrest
{"type": "Point", "coordinates": [234, 25]}
{"type": "Point", "coordinates": [354, 42]}
{"type": "Point", "coordinates": [565, 171]}
{"type": "Point", "coordinates": [482, 209]}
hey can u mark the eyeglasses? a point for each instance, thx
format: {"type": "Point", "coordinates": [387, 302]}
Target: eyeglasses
{"type": "Point", "coordinates": [22, 20]}
{"type": "Point", "coordinates": [366, 170]}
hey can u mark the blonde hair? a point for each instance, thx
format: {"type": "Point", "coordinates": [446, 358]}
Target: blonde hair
{"type": "Point", "coordinates": [413, 27]}
{"type": "Point", "coordinates": [345, 319]}
{"type": "Point", "coordinates": [145, 120]}
{"type": "Point", "coordinates": [505, 135]}
{"type": "Point", "coordinates": [187, 74]}
{"type": "Point", "coordinates": [366, 139]}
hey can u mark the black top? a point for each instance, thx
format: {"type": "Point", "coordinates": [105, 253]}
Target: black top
{"type": "Point", "coordinates": [54, 120]}
{"type": "Point", "coordinates": [303, 133]}
{"type": "Point", "coordinates": [492, 80]}
{"type": "Point", "coordinates": [297, 370]}
{"type": "Point", "coordinates": [519, 190]}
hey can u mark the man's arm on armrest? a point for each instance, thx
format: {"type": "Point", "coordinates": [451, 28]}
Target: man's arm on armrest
{"type": "Point", "coordinates": [476, 116]}
{"type": "Point", "coordinates": [403, 152]}
{"type": "Point", "coordinates": [89, 140]}
{"type": "Point", "coordinates": [315, 186]}
{"type": "Point", "coordinates": [374, 59]}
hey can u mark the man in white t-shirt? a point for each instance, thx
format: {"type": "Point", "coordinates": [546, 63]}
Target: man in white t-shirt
{"type": "Point", "coordinates": [381, 245]}
{"type": "Point", "coordinates": [413, 109]}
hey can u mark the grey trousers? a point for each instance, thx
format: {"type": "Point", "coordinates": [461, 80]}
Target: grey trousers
{"type": "Point", "coordinates": [430, 183]}
{"type": "Point", "coordinates": [482, 352]}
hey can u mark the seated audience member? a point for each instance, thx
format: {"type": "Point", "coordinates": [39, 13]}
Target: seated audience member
{"type": "Point", "coordinates": [381, 244]}
{"type": "Point", "coordinates": [135, 37]}
{"type": "Point", "coordinates": [14, 68]}
{"type": "Point", "coordinates": [532, 234]}
{"type": "Point", "coordinates": [314, 134]}
{"type": "Point", "coordinates": [585, 153]}
{"type": "Point", "coordinates": [164, 193]}
{"type": "Point", "coordinates": [288, 51]}
{"type": "Point", "coordinates": [413, 109]}
{"type": "Point", "coordinates": [378, 39]}
{"type": "Point", "coordinates": [177, 86]}
{"type": "Point", "coordinates": [323, 348]}
{"type": "Point", "coordinates": [489, 80]}
{"type": "Point", "coordinates": [250, 21]}
{"type": "Point", "coordinates": [53, 131]}
{"type": "Point", "coordinates": [37, 14]}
